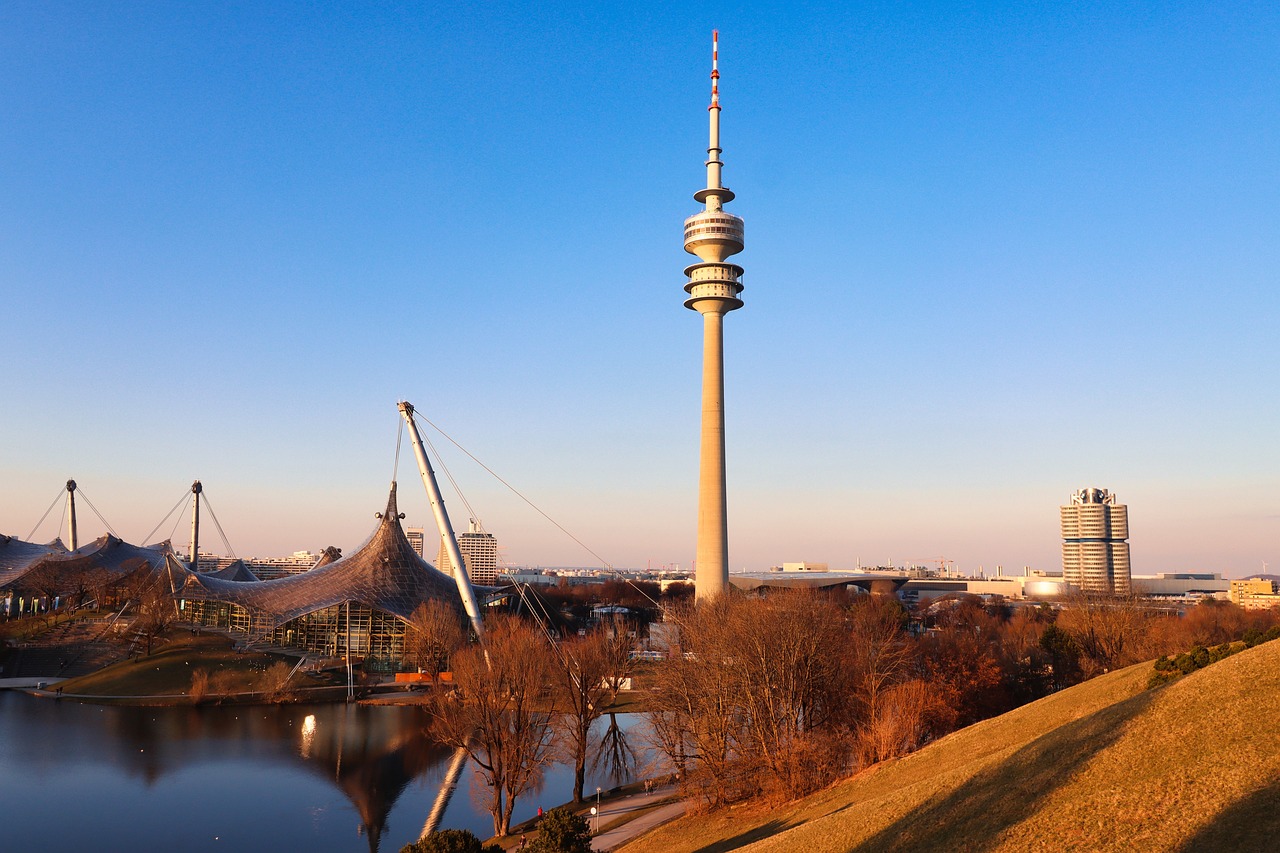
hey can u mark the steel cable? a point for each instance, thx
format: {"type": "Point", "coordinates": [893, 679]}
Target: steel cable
{"type": "Point", "coordinates": [46, 515]}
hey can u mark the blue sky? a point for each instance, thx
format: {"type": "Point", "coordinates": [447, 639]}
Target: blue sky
{"type": "Point", "coordinates": [995, 253]}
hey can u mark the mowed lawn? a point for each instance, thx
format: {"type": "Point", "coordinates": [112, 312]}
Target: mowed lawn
{"type": "Point", "coordinates": [1106, 765]}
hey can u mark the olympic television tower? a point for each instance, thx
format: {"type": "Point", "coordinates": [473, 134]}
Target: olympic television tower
{"type": "Point", "coordinates": [713, 289]}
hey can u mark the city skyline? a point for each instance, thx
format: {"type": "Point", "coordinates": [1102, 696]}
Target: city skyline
{"type": "Point", "coordinates": [998, 253]}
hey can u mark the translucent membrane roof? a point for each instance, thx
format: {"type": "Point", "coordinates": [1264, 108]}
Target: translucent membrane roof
{"type": "Point", "coordinates": [385, 573]}
{"type": "Point", "coordinates": [237, 571]}
{"type": "Point", "coordinates": [107, 553]}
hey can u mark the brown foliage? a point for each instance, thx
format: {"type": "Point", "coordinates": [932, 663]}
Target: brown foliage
{"type": "Point", "coordinates": [199, 685]}
{"type": "Point", "coordinates": [435, 633]}
{"type": "Point", "coordinates": [892, 707]}
{"type": "Point", "coordinates": [223, 682]}
{"type": "Point", "coordinates": [695, 715]}
{"type": "Point", "coordinates": [908, 715]}
{"type": "Point", "coordinates": [754, 696]}
{"type": "Point", "coordinates": [501, 712]}
{"type": "Point", "coordinates": [964, 675]}
{"type": "Point", "coordinates": [275, 681]}
{"type": "Point", "coordinates": [1110, 631]}
{"type": "Point", "coordinates": [779, 695]}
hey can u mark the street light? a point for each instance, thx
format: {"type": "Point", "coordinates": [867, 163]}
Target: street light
{"type": "Point", "coordinates": [595, 819]}
{"type": "Point", "coordinates": [597, 810]}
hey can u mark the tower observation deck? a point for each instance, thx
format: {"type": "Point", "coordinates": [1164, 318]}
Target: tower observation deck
{"type": "Point", "coordinates": [714, 289]}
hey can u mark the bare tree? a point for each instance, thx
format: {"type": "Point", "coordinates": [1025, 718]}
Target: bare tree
{"type": "Point", "coordinates": [882, 657]}
{"type": "Point", "coordinates": [754, 696]}
{"type": "Point", "coordinates": [589, 671]}
{"type": "Point", "coordinates": [1109, 630]}
{"type": "Point", "coordinates": [47, 581]}
{"type": "Point", "coordinates": [435, 633]}
{"type": "Point", "coordinates": [905, 719]}
{"type": "Point", "coordinates": [695, 714]}
{"type": "Point", "coordinates": [787, 656]}
{"type": "Point", "coordinates": [501, 712]}
{"type": "Point", "coordinates": [961, 662]}
{"type": "Point", "coordinates": [155, 607]}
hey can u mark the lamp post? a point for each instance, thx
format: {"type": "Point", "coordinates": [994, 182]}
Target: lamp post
{"type": "Point", "coordinates": [596, 810]}
{"type": "Point", "coordinates": [595, 819]}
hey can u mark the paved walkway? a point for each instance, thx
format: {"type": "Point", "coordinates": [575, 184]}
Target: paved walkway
{"type": "Point", "coordinates": [611, 839]}
{"type": "Point", "coordinates": [26, 683]}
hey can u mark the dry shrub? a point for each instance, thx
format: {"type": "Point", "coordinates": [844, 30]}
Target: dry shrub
{"type": "Point", "coordinates": [812, 762]}
{"type": "Point", "coordinates": [224, 681]}
{"type": "Point", "coordinates": [909, 715]}
{"type": "Point", "coordinates": [275, 681]}
{"type": "Point", "coordinates": [199, 685]}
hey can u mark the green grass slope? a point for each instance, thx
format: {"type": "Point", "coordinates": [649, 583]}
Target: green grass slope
{"type": "Point", "coordinates": [1107, 765]}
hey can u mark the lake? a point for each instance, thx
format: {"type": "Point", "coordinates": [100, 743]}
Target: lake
{"type": "Point", "coordinates": [240, 778]}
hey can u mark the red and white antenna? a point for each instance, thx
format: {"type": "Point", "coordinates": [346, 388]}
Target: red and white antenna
{"type": "Point", "coordinates": [715, 69]}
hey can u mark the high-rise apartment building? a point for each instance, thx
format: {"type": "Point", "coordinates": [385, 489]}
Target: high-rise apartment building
{"type": "Point", "coordinates": [1095, 553]}
{"type": "Point", "coordinates": [479, 551]}
{"type": "Point", "coordinates": [417, 539]}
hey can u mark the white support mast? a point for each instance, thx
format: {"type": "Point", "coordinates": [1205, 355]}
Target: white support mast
{"type": "Point", "coordinates": [196, 489]}
{"type": "Point", "coordinates": [73, 541]}
{"type": "Point", "coordinates": [442, 521]}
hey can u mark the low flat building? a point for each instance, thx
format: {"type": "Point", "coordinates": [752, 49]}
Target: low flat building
{"type": "Point", "coordinates": [1188, 585]}
{"type": "Point", "coordinates": [1035, 586]}
{"type": "Point", "coordinates": [801, 567]}
{"type": "Point", "coordinates": [867, 581]}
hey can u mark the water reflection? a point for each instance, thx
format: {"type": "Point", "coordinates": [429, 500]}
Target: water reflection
{"type": "Point", "coordinates": [616, 755]}
{"type": "Point", "coordinates": [371, 755]}
{"type": "Point", "coordinates": [245, 778]}
{"type": "Point", "coordinates": [308, 734]}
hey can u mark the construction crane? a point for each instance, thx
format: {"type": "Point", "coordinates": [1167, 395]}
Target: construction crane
{"type": "Point", "coordinates": [943, 564]}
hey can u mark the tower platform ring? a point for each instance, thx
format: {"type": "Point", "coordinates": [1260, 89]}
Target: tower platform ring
{"type": "Point", "coordinates": [726, 195]}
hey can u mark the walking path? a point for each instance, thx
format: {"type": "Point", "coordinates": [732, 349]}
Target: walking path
{"type": "Point", "coordinates": [26, 683]}
{"type": "Point", "coordinates": [615, 837]}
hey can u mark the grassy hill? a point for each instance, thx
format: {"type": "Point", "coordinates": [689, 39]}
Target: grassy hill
{"type": "Point", "coordinates": [1107, 765]}
{"type": "Point", "coordinates": [168, 671]}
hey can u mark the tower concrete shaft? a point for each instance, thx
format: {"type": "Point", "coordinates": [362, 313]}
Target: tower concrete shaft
{"type": "Point", "coordinates": [713, 287]}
